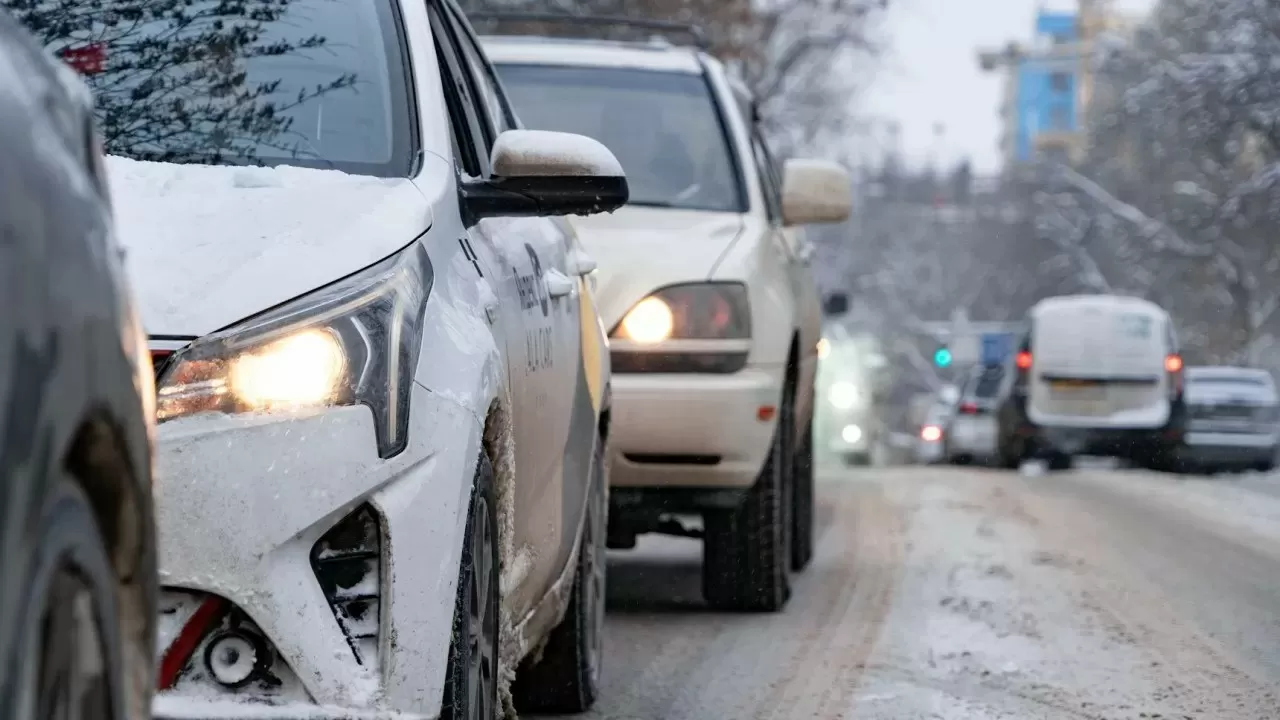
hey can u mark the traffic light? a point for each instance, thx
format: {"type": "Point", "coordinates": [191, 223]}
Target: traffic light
{"type": "Point", "coordinates": [942, 356]}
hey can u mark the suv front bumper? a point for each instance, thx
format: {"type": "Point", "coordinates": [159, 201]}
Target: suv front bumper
{"type": "Point", "coordinates": [693, 431]}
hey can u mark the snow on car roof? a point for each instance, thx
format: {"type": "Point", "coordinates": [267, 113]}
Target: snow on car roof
{"type": "Point", "coordinates": [530, 50]}
{"type": "Point", "coordinates": [1103, 302]}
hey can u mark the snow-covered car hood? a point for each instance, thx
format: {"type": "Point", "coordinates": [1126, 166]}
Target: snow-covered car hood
{"type": "Point", "coordinates": [640, 249]}
{"type": "Point", "coordinates": [209, 246]}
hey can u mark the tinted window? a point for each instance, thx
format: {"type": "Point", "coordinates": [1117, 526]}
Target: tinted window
{"type": "Point", "coordinates": [664, 127]}
{"type": "Point", "coordinates": [316, 83]}
{"type": "Point", "coordinates": [987, 383]}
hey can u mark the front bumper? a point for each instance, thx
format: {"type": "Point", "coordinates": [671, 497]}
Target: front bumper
{"type": "Point", "coordinates": [242, 500]}
{"type": "Point", "coordinates": [693, 431]}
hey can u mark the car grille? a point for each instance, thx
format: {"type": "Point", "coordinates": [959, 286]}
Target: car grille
{"type": "Point", "coordinates": [348, 563]}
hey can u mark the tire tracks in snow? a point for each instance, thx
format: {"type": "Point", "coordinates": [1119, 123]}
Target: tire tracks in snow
{"type": "Point", "coordinates": [1117, 545]}
{"type": "Point", "coordinates": [829, 660]}
{"type": "Point", "coordinates": [688, 663]}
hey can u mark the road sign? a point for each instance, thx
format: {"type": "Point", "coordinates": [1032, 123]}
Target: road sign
{"type": "Point", "coordinates": [996, 347]}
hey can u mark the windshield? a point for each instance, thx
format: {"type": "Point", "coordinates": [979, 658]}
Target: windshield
{"type": "Point", "coordinates": [314, 83]}
{"type": "Point", "coordinates": [986, 383]}
{"type": "Point", "coordinates": [664, 127]}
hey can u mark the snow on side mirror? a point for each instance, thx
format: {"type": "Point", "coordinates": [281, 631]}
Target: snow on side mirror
{"type": "Point", "coordinates": [542, 173]}
{"type": "Point", "coordinates": [815, 191]}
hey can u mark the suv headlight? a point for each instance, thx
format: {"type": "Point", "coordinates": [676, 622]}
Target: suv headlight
{"type": "Point", "coordinates": [353, 342]}
{"type": "Point", "coordinates": [693, 311]}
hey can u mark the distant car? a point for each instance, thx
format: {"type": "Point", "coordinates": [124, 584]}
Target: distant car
{"type": "Point", "coordinates": [77, 536]}
{"type": "Point", "coordinates": [930, 447]}
{"type": "Point", "coordinates": [971, 436]}
{"type": "Point", "coordinates": [1096, 375]}
{"type": "Point", "coordinates": [847, 425]}
{"type": "Point", "coordinates": [705, 287]}
{"type": "Point", "coordinates": [367, 322]}
{"type": "Point", "coordinates": [1234, 419]}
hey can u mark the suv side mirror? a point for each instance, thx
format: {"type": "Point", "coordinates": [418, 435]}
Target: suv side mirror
{"type": "Point", "coordinates": [542, 173]}
{"type": "Point", "coordinates": [815, 191]}
{"type": "Point", "coordinates": [835, 304]}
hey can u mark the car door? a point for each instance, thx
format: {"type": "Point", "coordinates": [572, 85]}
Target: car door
{"type": "Point", "coordinates": [803, 289]}
{"type": "Point", "coordinates": [532, 254]}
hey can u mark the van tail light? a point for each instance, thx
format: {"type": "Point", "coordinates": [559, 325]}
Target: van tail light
{"type": "Point", "coordinates": [1173, 366]}
{"type": "Point", "coordinates": [968, 409]}
{"type": "Point", "coordinates": [931, 433]}
{"type": "Point", "coordinates": [1023, 361]}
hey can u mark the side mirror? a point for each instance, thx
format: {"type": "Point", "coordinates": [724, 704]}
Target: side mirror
{"type": "Point", "coordinates": [835, 304]}
{"type": "Point", "coordinates": [815, 191]}
{"type": "Point", "coordinates": [542, 173]}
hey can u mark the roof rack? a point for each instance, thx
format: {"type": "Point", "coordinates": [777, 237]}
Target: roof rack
{"type": "Point", "coordinates": [693, 31]}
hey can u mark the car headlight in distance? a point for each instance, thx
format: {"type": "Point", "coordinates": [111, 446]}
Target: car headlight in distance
{"type": "Point", "coordinates": [824, 348]}
{"type": "Point", "coordinates": [851, 434]}
{"type": "Point", "coordinates": [355, 342]}
{"type": "Point", "coordinates": [843, 395]}
{"type": "Point", "coordinates": [694, 311]}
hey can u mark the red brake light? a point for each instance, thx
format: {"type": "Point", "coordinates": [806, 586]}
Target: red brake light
{"type": "Point", "coordinates": [1173, 363]}
{"type": "Point", "coordinates": [1023, 360]}
{"type": "Point", "coordinates": [968, 409]}
{"type": "Point", "coordinates": [931, 433]}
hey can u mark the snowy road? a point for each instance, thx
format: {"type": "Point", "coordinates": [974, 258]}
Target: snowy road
{"type": "Point", "coordinates": [944, 594]}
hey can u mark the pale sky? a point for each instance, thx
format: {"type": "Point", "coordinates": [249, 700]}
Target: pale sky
{"type": "Point", "coordinates": [929, 74]}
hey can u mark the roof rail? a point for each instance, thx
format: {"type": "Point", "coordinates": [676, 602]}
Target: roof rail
{"type": "Point", "coordinates": [693, 31]}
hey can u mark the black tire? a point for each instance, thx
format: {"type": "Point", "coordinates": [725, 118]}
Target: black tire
{"type": "Point", "coordinates": [74, 670]}
{"type": "Point", "coordinates": [802, 524]}
{"type": "Point", "coordinates": [1265, 466]}
{"type": "Point", "coordinates": [471, 679]}
{"type": "Point", "coordinates": [746, 559]}
{"type": "Point", "coordinates": [1059, 461]}
{"type": "Point", "coordinates": [567, 677]}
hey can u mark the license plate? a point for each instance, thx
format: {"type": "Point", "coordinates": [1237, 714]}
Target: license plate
{"type": "Point", "coordinates": [1084, 398]}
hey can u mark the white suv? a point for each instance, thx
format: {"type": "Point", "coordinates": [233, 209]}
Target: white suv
{"type": "Point", "coordinates": [704, 285]}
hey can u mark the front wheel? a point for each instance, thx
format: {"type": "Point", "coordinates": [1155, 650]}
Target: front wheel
{"type": "Point", "coordinates": [71, 669]}
{"type": "Point", "coordinates": [746, 556]}
{"type": "Point", "coordinates": [471, 679]}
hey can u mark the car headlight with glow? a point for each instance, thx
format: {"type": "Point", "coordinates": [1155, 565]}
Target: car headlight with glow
{"type": "Point", "coordinates": [843, 395]}
{"type": "Point", "coordinates": [355, 342]}
{"type": "Point", "coordinates": [824, 348]}
{"type": "Point", "coordinates": [694, 311]}
{"type": "Point", "coordinates": [851, 434]}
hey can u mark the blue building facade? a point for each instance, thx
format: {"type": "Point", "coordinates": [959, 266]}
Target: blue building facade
{"type": "Point", "coordinates": [1046, 82]}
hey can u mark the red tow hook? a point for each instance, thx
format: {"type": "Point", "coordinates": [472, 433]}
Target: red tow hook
{"type": "Point", "coordinates": [184, 646]}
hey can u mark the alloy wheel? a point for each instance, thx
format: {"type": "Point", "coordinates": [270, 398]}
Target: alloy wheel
{"type": "Point", "coordinates": [482, 674]}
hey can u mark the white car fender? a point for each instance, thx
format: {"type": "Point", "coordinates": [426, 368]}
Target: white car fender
{"type": "Point", "coordinates": [758, 261]}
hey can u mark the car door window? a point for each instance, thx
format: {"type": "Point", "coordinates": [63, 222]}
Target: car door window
{"type": "Point", "coordinates": [486, 83]}
{"type": "Point", "coordinates": [768, 184]}
{"type": "Point", "coordinates": [467, 117]}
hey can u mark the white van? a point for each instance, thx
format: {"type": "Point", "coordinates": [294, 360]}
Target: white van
{"type": "Point", "coordinates": [1097, 375]}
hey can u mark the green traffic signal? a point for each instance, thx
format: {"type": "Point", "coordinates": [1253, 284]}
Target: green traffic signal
{"type": "Point", "coordinates": [942, 357]}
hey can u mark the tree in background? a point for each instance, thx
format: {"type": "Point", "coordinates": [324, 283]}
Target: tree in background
{"type": "Point", "coordinates": [170, 77]}
{"type": "Point", "coordinates": [1177, 198]}
{"type": "Point", "coordinates": [801, 58]}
